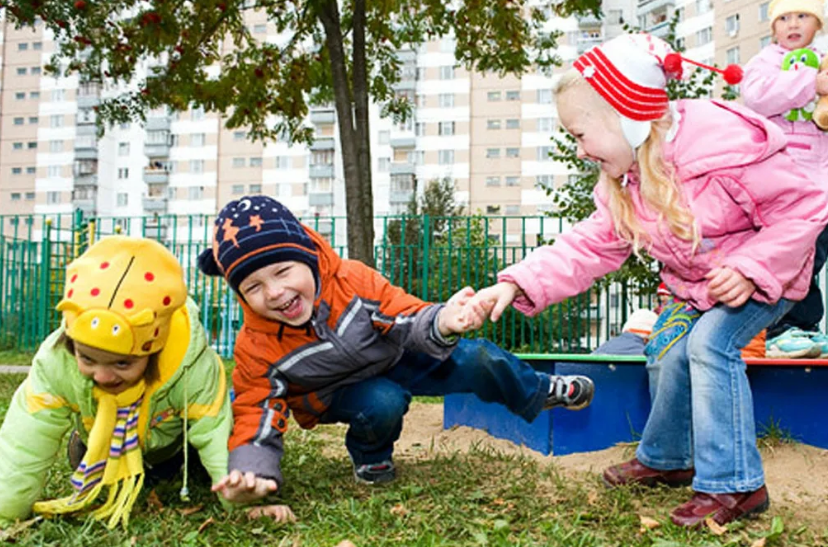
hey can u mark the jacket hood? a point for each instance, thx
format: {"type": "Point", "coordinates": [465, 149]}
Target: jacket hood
{"type": "Point", "coordinates": [711, 136]}
{"type": "Point", "coordinates": [329, 263]}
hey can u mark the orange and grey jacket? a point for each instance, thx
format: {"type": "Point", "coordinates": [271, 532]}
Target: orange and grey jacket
{"type": "Point", "coordinates": [360, 327]}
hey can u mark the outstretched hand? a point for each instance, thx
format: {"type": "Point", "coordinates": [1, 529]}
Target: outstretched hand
{"type": "Point", "coordinates": [458, 316]}
{"type": "Point", "coordinates": [494, 299]}
{"type": "Point", "coordinates": [244, 488]}
{"type": "Point", "coordinates": [729, 287]}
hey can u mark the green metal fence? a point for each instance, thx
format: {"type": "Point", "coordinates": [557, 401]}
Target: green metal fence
{"type": "Point", "coordinates": [431, 257]}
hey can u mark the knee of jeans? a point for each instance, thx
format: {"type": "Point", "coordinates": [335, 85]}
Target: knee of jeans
{"type": "Point", "coordinates": [387, 406]}
{"type": "Point", "coordinates": [703, 348]}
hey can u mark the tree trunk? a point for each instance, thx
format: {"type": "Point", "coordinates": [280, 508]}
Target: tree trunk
{"type": "Point", "coordinates": [363, 131]}
{"type": "Point", "coordinates": [359, 217]}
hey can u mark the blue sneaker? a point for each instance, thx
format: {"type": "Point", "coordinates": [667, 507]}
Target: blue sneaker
{"type": "Point", "coordinates": [794, 343]}
{"type": "Point", "coordinates": [822, 341]}
{"type": "Point", "coordinates": [375, 473]}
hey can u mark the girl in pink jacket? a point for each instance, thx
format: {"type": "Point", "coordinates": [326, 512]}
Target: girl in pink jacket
{"type": "Point", "coordinates": [786, 96]}
{"type": "Point", "coordinates": [707, 189]}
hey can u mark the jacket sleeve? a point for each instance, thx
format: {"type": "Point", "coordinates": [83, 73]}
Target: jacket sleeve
{"type": "Point", "coordinates": [405, 319]}
{"type": "Point", "coordinates": [770, 91]}
{"type": "Point", "coordinates": [30, 438]}
{"type": "Point", "coordinates": [209, 414]}
{"type": "Point", "coordinates": [260, 415]}
{"type": "Point", "coordinates": [569, 266]}
{"type": "Point", "coordinates": [789, 213]}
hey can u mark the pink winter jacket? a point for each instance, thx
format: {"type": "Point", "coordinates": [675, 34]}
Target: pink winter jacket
{"type": "Point", "coordinates": [756, 210]}
{"type": "Point", "coordinates": [771, 92]}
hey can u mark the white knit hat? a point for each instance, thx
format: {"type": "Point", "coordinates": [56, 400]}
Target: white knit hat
{"type": "Point", "coordinates": [778, 8]}
{"type": "Point", "coordinates": [640, 322]}
{"type": "Point", "coordinates": [630, 72]}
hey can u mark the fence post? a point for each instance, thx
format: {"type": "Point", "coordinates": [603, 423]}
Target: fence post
{"type": "Point", "coordinates": [45, 290]}
{"type": "Point", "coordinates": [426, 266]}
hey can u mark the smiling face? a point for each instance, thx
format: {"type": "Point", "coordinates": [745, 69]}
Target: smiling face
{"type": "Point", "coordinates": [596, 128]}
{"type": "Point", "coordinates": [795, 30]}
{"type": "Point", "coordinates": [111, 372]}
{"type": "Point", "coordinates": [283, 292]}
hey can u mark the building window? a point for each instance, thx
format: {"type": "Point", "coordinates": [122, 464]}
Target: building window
{"type": "Point", "coordinates": [35, 71]}
{"type": "Point", "coordinates": [53, 171]}
{"type": "Point", "coordinates": [22, 46]}
{"type": "Point", "coordinates": [239, 135]}
{"type": "Point", "coordinates": [123, 199]}
{"type": "Point", "coordinates": [260, 28]}
{"type": "Point", "coordinates": [56, 120]}
{"type": "Point", "coordinates": [37, 46]}
{"type": "Point", "coordinates": [493, 153]}
{"type": "Point", "coordinates": [417, 157]}
{"type": "Point", "coordinates": [513, 123]}
{"type": "Point", "coordinates": [513, 95]}
{"type": "Point", "coordinates": [197, 139]}
{"type": "Point", "coordinates": [492, 124]}
{"type": "Point", "coordinates": [420, 129]}
{"type": "Point", "coordinates": [31, 170]}
{"type": "Point", "coordinates": [55, 146]}
{"type": "Point", "coordinates": [197, 166]}
{"type": "Point", "coordinates": [34, 120]}
{"type": "Point", "coordinates": [512, 181]}
{"type": "Point", "coordinates": [733, 55]}
{"type": "Point", "coordinates": [492, 181]}
{"type": "Point", "coordinates": [445, 157]}
{"type": "Point", "coordinates": [513, 209]}
{"type": "Point", "coordinates": [446, 100]}
{"type": "Point", "coordinates": [30, 196]}
{"type": "Point", "coordinates": [543, 153]}
{"type": "Point", "coordinates": [19, 121]}
{"type": "Point", "coordinates": [255, 162]}
{"type": "Point", "coordinates": [32, 145]}
{"type": "Point", "coordinates": [763, 12]}
{"type": "Point", "coordinates": [282, 162]}
{"type": "Point", "coordinates": [58, 95]}
{"type": "Point", "coordinates": [446, 128]}
{"type": "Point", "coordinates": [20, 96]}
{"type": "Point", "coordinates": [447, 72]}
{"type": "Point", "coordinates": [384, 137]}
{"type": "Point", "coordinates": [21, 71]}
{"type": "Point", "coordinates": [238, 189]}
{"type": "Point", "coordinates": [764, 41]}
{"type": "Point", "coordinates": [703, 6]}
{"type": "Point", "coordinates": [34, 95]}
{"type": "Point", "coordinates": [195, 192]}
{"type": "Point", "coordinates": [544, 96]}
{"type": "Point", "coordinates": [123, 149]}
{"type": "Point", "coordinates": [15, 196]}
{"type": "Point", "coordinates": [52, 198]}
{"type": "Point", "coordinates": [704, 36]}
{"type": "Point", "coordinates": [383, 165]}
{"type": "Point", "coordinates": [545, 181]}
{"type": "Point", "coordinates": [238, 163]}
{"type": "Point", "coordinates": [17, 171]}
{"type": "Point", "coordinates": [17, 146]}
{"type": "Point", "coordinates": [255, 188]}
{"type": "Point", "coordinates": [123, 173]}
{"type": "Point", "coordinates": [513, 152]}
{"type": "Point", "coordinates": [197, 113]}
{"type": "Point", "coordinates": [493, 209]}
{"type": "Point", "coordinates": [493, 96]}
{"type": "Point", "coordinates": [732, 25]}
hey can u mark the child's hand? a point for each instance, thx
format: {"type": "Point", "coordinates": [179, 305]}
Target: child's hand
{"type": "Point", "coordinates": [495, 299]}
{"type": "Point", "coordinates": [729, 286]}
{"type": "Point", "coordinates": [822, 82]}
{"type": "Point", "coordinates": [238, 488]}
{"type": "Point", "coordinates": [279, 513]}
{"type": "Point", "coordinates": [456, 318]}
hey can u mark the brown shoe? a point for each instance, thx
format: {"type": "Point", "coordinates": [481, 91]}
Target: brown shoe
{"type": "Point", "coordinates": [722, 508]}
{"type": "Point", "coordinates": [635, 472]}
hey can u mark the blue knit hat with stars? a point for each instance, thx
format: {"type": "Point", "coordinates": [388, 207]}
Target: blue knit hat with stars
{"type": "Point", "coordinates": [254, 232]}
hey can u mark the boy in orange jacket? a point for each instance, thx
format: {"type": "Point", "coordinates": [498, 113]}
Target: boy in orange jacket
{"type": "Point", "coordinates": [332, 340]}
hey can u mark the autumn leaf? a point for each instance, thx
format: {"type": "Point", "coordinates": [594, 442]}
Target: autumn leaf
{"type": "Point", "coordinates": [647, 523]}
{"type": "Point", "coordinates": [758, 543]}
{"type": "Point", "coordinates": [399, 510]}
{"type": "Point", "coordinates": [187, 511]}
{"type": "Point", "coordinates": [205, 524]}
{"type": "Point", "coordinates": [716, 528]}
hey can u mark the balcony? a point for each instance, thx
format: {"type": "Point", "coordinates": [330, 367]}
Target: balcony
{"type": "Point", "coordinates": [87, 205]}
{"type": "Point", "coordinates": [320, 199]}
{"type": "Point", "coordinates": [155, 231]}
{"type": "Point", "coordinates": [400, 196]}
{"type": "Point", "coordinates": [403, 169]}
{"type": "Point", "coordinates": [407, 56]}
{"type": "Point", "coordinates": [586, 43]}
{"type": "Point", "coordinates": [659, 30]}
{"type": "Point", "coordinates": [323, 116]}
{"type": "Point", "coordinates": [588, 21]}
{"type": "Point", "coordinates": [155, 204]}
{"type": "Point", "coordinates": [323, 143]}
{"type": "Point", "coordinates": [322, 171]}
{"type": "Point", "coordinates": [156, 176]}
{"type": "Point", "coordinates": [158, 123]}
{"type": "Point", "coordinates": [404, 143]}
{"type": "Point", "coordinates": [84, 150]}
{"type": "Point", "coordinates": [649, 6]}
{"type": "Point", "coordinates": [406, 85]}
{"type": "Point", "coordinates": [155, 150]}
{"type": "Point", "coordinates": [86, 179]}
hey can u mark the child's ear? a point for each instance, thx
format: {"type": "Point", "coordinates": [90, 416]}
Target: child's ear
{"type": "Point", "coordinates": [207, 263]}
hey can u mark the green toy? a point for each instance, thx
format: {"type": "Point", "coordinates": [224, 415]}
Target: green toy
{"type": "Point", "coordinates": [796, 60]}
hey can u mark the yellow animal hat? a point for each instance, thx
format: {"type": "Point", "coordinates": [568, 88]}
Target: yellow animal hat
{"type": "Point", "coordinates": [781, 7]}
{"type": "Point", "coordinates": [120, 295]}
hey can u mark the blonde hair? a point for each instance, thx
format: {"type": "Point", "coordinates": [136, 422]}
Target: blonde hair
{"type": "Point", "coordinates": [658, 187]}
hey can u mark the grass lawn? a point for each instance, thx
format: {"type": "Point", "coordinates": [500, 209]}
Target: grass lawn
{"type": "Point", "coordinates": [478, 497]}
{"type": "Point", "coordinates": [14, 357]}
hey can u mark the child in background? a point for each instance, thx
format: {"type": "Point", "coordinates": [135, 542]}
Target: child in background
{"type": "Point", "coordinates": [773, 93]}
{"type": "Point", "coordinates": [130, 370]}
{"type": "Point", "coordinates": [664, 297]}
{"type": "Point", "coordinates": [332, 340]}
{"type": "Point", "coordinates": [737, 251]}
{"type": "Point", "coordinates": [634, 335]}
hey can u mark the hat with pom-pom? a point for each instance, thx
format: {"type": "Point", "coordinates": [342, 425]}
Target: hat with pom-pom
{"type": "Point", "coordinates": [631, 72]}
{"type": "Point", "coordinates": [120, 295]}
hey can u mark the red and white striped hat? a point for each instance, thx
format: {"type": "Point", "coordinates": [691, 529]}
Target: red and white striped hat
{"type": "Point", "coordinates": [631, 72]}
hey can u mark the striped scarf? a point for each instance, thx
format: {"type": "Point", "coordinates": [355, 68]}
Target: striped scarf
{"type": "Point", "coordinates": [113, 458]}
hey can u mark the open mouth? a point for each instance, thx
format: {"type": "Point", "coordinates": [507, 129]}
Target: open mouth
{"type": "Point", "coordinates": [290, 309]}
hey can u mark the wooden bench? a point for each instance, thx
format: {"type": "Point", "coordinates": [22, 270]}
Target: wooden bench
{"type": "Point", "coordinates": [790, 395]}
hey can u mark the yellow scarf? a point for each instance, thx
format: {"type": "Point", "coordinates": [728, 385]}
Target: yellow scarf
{"type": "Point", "coordinates": [113, 458]}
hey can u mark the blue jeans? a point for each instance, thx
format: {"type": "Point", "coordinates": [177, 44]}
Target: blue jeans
{"type": "Point", "coordinates": [702, 412]}
{"type": "Point", "coordinates": [375, 407]}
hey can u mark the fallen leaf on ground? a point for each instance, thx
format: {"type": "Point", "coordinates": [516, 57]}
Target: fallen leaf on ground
{"type": "Point", "coordinates": [592, 497]}
{"type": "Point", "coordinates": [648, 523]}
{"type": "Point", "coordinates": [187, 511]}
{"type": "Point", "coordinates": [758, 543]}
{"type": "Point", "coordinates": [399, 510]}
{"type": "Point", "coordinates": [345, 543]}
{"type": "Point", "coordinates": [205, 524]}
{"type": "Point", "coordinates": [11, 532]}
{"type": "Point", "coordinates": [715, 527]}
{"type": "Point", "coordinates": [154, 502]}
